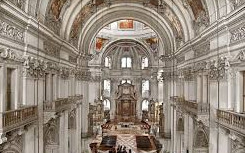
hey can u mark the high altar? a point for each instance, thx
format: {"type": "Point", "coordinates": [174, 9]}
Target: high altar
{"type": "Point", "coordinates": [126, 103]}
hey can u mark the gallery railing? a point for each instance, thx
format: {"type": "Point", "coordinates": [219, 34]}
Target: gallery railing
{"type": "Point", "coordinates": [191, 106]}
{"type": "Point", "coordinates": [62, 103]}
{"type": "Point", "coordinates": [231, 119]}
{"type": "Point", "coordinates": [19, 117]}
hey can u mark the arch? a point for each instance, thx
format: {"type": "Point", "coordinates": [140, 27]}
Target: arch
{"type": "Point", "coordinates": [121, 11]}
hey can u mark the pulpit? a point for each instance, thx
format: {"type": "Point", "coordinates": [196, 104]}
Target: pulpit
{"type": "Point", "coordinates": [126, 103]}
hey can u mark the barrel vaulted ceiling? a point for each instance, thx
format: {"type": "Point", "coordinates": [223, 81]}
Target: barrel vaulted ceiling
{"type": "Point", "coordinates": [174, 21]}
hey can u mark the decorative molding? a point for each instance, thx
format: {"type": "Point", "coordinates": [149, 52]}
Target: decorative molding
{"type": "Point", "coordinates": [202, 49]}
{"type": "Point", "coordinates": [51, 49]}
{"type": "Point", "coordinates": [73, 59]}
{"type": "Point", "coordinates": [237, 34]}
{"type": "Point", "coordinates": [200, 67]}
{"type": "Point", "coordinates": [19, 3]}
{"type": "Point", "coordinates": [8, 54]}
{"type": "Point", "coordinates": [87, 57]}
{"type": "Point", "coordinates": [11, 31]}
{"type": "Point", "coordinates": [64, 73]}
{"type": "Point", "coordinates": [218, 68]}
{"type": "Point", "coordinates": [52, 67]}
{"type": "Point", "coordinates": [34, 67]}
{"type": "Point", "coordinates": [237, 3]}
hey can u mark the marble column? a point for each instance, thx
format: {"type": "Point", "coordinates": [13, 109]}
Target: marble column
{"type": "Point", "coordinates": [63, 135]}
{"type": "Point", "coordinates": [239, 94]}
{"type": "Point", "coordinates": [85, 108]}
{"type": "Point", "coordinates": [205, 89]}
{"type": "Point", "coordinates": [78, 129]}
{"type": "Point", "coordinates": [199, 89]}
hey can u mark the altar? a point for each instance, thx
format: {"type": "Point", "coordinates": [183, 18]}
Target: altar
{"type": "Point", "coordinates": [126, 103]}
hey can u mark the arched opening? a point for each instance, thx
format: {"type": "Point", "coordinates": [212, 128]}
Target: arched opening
{"type": "Point", "coordinates": [107, 105]}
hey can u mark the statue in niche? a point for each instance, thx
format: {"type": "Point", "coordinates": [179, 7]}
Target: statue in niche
{"type": "Point", "coordinates": [51, 136]}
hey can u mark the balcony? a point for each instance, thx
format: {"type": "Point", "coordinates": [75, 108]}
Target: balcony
{"type": "Point", "coordinates": [231, 120]}
{"type": "Point", "coordinates": [62, 103]}
{"type": "Point", "coordinates": [191, 107]}
{"type": "Point", "coordinates": [20, 117]}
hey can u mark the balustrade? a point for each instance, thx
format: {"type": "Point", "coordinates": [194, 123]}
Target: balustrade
{"type": "Point", "coordinates": [62, 103]}
{"type": "Point", "coordinates": [14, 118]}
{"type": "Point", "coordinates": [191, 106]}
{"type": "Point", "coordinates": [231, 118]}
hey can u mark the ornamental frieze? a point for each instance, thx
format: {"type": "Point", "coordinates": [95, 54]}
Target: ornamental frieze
{"type": "Point", "coordinates": [218, 68]}
{"type": "Point", "coordinates": [201, 49]}
{"type": "Point", "coordinates": [236, 3]}
{"type": "Point", "coordinates": [8, 54]}
{"type": "Point", "coordinates": [73, 59]}
{"type": "Point", "coordinates": [34, 67]}
{"type": "Point", "coordinates": [11, 31]}
{"type": "Point", "coordinates": [237, 34]}
{"type": "Point", "coordinates": [200, 67]}
{"type": "Point", "coordinates": [51, 49]}
{"type": "Point", "coordinates": [64, 72]}
{"type": "Point", "coordinates": [52, 67]}
{"type": "Point", "coordinates": [19, 3]}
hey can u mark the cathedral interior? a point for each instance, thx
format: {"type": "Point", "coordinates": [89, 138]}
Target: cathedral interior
{"type": "Point", "coordinates": [122, 76]}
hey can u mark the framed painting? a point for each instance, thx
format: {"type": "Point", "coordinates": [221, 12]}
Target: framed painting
{"type": "Point", "coordinates": [126, 24]}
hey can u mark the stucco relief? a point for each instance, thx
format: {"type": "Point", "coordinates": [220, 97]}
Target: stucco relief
{"type": "Point", "coordinates": [237, 3]}
{"type": "Point", "coordinates": [51, 49]}
{"type": "Point", "coordinates": [19, 3]}
{"type": "Point", "coordinates": [51, 132]}
{"type": "Point", "coordinates": [218, 68]}
{"type": "Point", "coordinates": [8, 54]}
{"type": "Point", "coordinates": [237, 34]}
{"type": "Point", "coordinates": [34, 67]}
{"type": "Point", "coordinates": [8, 30]}
{"type": "Point", "coordinates": [14, 144]}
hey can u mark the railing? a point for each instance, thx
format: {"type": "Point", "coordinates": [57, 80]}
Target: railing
{"type": "Point", "coordinates": [191, 106]}
{"type": "Point", "coordinates": [62, 103]}
{"type": "Point", "coordinates": [231, 118]}
{"type": "Point", "coordinates": [15, 118]}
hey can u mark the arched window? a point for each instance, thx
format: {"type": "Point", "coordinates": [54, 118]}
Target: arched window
{"type": "Point", "coordinates": [107, 104]}
{"type": "Point", "coordinates": [126, 62]}
{"type": "Point", "coordinates": [145, 105]}
{"type": "Point", "coordinates": [107, 87]}
{"type": "Point", "coordinates": [145, 62]}
{"type": "Point", "coordinates": [108, 62]}
{"type": "Point", "coordinates": [124, 81]}
{"type": "Point", "coordinates": [145, 88]}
